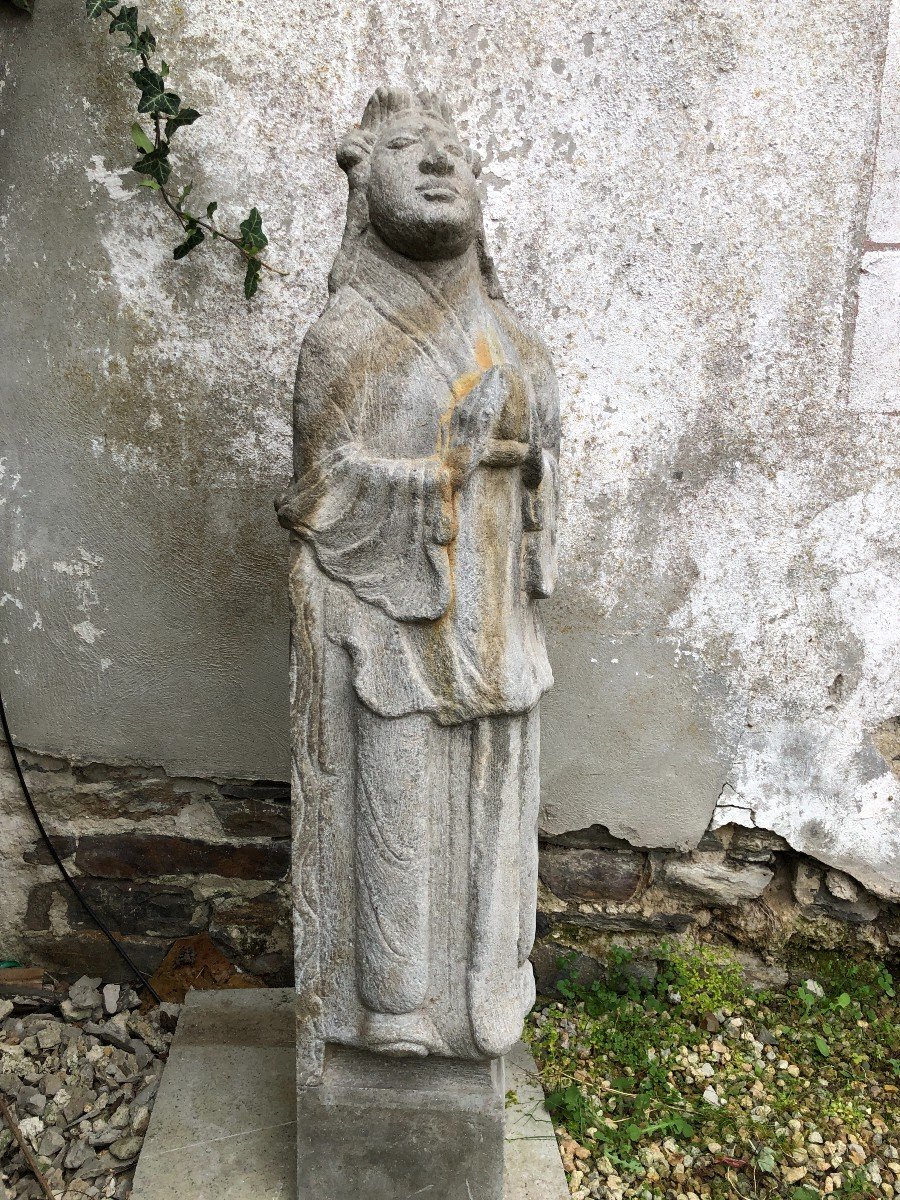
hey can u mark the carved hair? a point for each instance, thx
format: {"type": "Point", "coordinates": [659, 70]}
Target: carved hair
{"type": "Point", "coordinates": [353, 154]}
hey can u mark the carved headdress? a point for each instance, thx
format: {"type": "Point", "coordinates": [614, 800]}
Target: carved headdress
{"type": "Point", "coordinates": [353, 152]}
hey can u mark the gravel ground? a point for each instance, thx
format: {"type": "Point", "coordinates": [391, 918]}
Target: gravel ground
{"type": "Point", "coordinates": [80, 1081]}
{"type": "Point", "coordinates": [688, 1088]}
{"type": "Point", "coordinates": [677, 1083]}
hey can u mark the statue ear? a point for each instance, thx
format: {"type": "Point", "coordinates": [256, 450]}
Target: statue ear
{"type": "Point", "coordinates": [475, 162]}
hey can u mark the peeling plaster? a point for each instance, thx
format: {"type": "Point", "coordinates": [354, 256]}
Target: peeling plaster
{"type": "Point", "coordinates": [88, 632]}
{"type": "Point", "coordinates": [676, 198]}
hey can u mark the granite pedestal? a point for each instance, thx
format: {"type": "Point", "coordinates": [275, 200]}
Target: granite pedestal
{"type": "Point", "coordinates": [224, 1124]}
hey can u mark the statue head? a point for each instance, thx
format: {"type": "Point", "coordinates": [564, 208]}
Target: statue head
{"type": "Point", "coordinates": [418, 178]}
{"type": "Point", "coordinates": [413, 182]}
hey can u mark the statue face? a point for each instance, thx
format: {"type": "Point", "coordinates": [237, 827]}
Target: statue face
{"type": "Point", "coordinates": [422, 195]}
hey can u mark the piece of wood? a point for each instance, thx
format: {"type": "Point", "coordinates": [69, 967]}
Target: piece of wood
{"type": "Point", "coordinates": [30, 976]}
{"type": "Point", "coordinates": [14, 1129]}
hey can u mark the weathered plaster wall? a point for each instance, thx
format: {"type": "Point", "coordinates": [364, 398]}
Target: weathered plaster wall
{"type": "Point", "coordinates": [677, 195]}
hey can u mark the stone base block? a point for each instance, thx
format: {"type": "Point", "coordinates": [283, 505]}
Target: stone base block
{"type": "Point", "coordinates": [378, 1128]}
{"type": "Point", "coordinates": [224, 1123]}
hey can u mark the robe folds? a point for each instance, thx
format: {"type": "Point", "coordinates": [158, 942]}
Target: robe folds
{"type": "Point", "coordinates": [418, 660]}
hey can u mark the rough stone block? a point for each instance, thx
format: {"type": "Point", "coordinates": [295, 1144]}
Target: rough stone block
{"type": "Point", "coordinates": [841, 886]}
{"type": "Point", "coordinates": [553, 961]}
{"type": "Point", "coordinates": [623, 922]}
{"type": "Point", "coordinates": [377, 1128]}
{"type": "Point", "coordinates": [719, 882]}
{"type": "Point", "coordinates": [40, 855]}
{"type": "Point", "coordinates": [254, 817]}
{"type": "Point", "coordinates": [587, 874]}
{"type": "Point", "coordinates": [113, 856]}
{"type": "Point", "coordinates": [162, 910]}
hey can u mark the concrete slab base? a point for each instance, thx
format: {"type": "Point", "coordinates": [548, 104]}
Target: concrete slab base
{"type": "Point", "coordinates": [224, 1123]}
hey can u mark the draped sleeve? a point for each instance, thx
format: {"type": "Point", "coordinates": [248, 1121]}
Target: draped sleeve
{"type": "Point", "coordinates": [379, 525]}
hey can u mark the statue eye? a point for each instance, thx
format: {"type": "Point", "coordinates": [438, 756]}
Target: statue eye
{"type": "Point", "coordinates": [401, 142]}
{"type": "Point", "coordinates": [453, 149]}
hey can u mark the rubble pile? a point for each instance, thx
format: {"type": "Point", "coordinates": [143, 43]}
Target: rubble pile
{"type": "Point", "coordinates": [78, 1077]}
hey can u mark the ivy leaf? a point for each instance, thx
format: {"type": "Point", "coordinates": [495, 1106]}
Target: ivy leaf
{"type": "Point", "coordinates": [194, 238]}
{"type": "Point", "coordinates": [140, 139]}
{"type": "Point", "coordinates": [155, 164]}
{"type": "Point", "coordinates": [125, 21]}
{"type": "Point", "coordinates": [251, 279]}
{"type": "Point", "coordinates": [164, 69]}
{"type": "Point", "coordinates": [143, 43]}
{"type": "Point", "coordinates": [149, 183]}
{"type": "Point", "coordinates": [154, 97]}
{"type": "Point", "coordinates": [211, 208]}
{"type": "Point", "coordinates": [96, 8]}
{"type": "Point", "coordinates": [252, 237]}
{"type": "Point", "coordinates": [185, 192]}
{"type": "Point", "coordinates": [822, 1046]}
{"type": "Point", "coordinates": [184, 116]}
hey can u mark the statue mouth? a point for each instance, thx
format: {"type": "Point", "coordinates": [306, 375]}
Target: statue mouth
{"type": "Point", "coordinates": [437, 191]}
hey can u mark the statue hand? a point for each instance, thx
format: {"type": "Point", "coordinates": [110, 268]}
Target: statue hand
{"type": "Point", "coordinates": [473, 421]}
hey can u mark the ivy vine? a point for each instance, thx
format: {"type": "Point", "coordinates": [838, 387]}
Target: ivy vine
{"type": "Point", "coordinates": [167, 114]}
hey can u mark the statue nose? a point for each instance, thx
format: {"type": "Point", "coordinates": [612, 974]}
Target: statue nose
{"type": "Point", "coordinates": [435, 161]}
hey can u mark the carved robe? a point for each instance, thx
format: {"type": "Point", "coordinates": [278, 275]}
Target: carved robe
{"type": "Point", "coordinates": [418, 659]}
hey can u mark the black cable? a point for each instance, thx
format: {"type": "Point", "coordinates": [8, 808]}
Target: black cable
{"type": "Point", "coordinates": [98, 921]}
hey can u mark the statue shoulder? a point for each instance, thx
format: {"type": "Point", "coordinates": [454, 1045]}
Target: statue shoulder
{"type": "Point", "coordinates": [335, 341]}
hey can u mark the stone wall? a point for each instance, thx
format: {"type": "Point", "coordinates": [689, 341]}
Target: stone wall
{"type": "Point", "coordinates": [163, 857]}
{"type": "Point", "coordinates": [696, 204]}
{"type": "Point", "coordinates": [743, 889]}
{"type": "Point", "coordinates": [157, 856]}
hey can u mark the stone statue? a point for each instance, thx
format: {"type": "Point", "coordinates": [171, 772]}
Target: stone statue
{"type": "Point", "coordinates": [423, 515]}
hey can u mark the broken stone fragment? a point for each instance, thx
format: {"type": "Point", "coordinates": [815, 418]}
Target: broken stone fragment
{"type": "Point", "coordinates": [111, 994]}
{"type": "Point", "coordinates": [807, 883]}
{"type": "Point", "coordinates": [841, 886]}
{"type": "Point", "coordinates": [31, 1129]}
{"type": "Point", "coordinates": [51, 1143]}
{"type": "Point", "coordinates": [140, 1120]}
{"type": "Point", "coordinates": [110, 1033]}
{"type": "Point", "coordinates": [121, 1118]}
{"type": "Point", "coordinates": [143, 1029]}
{"type": "Point", "coordinates": [49, 1037]}
{"type": "Point", "coordinates": [72, 1013]}
{"type": "Point", "coordinates": [141, 1053]}
{"type": "Point", "coordinates": [146, 1095]}
{"type": "Point", "coordinates": [32, 1101]}
{"type": "Point", "coordinates": [76, 1155]}
{"type": "Point", "coordinates": [84, 993]}
{"type": "Point", "coordinates": [125, 1148]}
{"type": "Point", "coordinates": [104, 1137]}
{"type": "Point", "coordinates": [168, 1015]}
